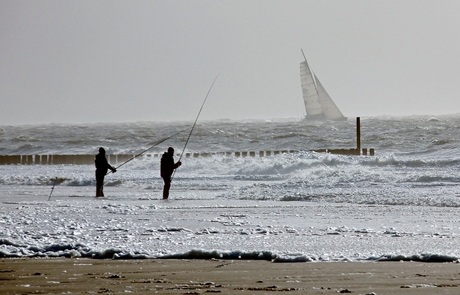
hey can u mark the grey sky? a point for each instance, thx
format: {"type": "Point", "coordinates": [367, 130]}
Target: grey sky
{"type": "Point", "coordinates": [119, 61]}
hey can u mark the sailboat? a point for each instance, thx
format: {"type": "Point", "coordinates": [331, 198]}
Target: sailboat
{"type": "Point", "coordinates": [318, 104]}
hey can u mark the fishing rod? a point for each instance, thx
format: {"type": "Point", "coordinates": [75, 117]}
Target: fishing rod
{"type": "Point", "coordinates": [154, 145]}
{"type": "Point", "coordinates": [193, 127]}
{"type": "Point", "coordinates": [52, 189]}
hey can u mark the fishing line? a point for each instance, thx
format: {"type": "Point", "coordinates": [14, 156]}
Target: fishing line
{"type": "Point", "coordinates": [154, 145]}
{"type": "Point", "coordinates": [193, 127]}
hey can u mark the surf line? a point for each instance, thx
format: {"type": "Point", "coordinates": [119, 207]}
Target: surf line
{"type": "Point", "coordinates": [193, 126]}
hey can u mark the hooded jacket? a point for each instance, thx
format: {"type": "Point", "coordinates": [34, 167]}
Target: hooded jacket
{"type": "Point", "coordinates": [167, 165]}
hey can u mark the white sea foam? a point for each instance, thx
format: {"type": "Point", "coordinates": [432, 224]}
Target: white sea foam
{"type": "Point", "coordinates": [401, 204]}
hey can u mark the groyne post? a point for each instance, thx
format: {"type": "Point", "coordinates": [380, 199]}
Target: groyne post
{"type": "Point", "coordinates": [358, 134]}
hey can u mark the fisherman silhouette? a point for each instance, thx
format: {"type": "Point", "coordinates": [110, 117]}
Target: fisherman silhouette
{"type": "Point", "coordinates": [101, 170]}
{"type": "Point", "coordinates": [166, 170]}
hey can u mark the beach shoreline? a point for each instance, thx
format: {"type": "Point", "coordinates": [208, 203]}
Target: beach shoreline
{"type": "Point", "coordinates": [174, 276]}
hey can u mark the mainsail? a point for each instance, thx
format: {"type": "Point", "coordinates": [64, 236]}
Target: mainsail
{"type": "Point", "coordinates": [318, 104]}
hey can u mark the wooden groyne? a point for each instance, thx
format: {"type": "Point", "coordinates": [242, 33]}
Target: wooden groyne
{"type": "Point", "coordinates": [358, 151]}
{"type": "Point", "coordinates": [117, 159]}
{"type": "Point", "coordinates": [121, 158]}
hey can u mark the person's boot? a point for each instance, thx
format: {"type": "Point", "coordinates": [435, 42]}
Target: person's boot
{"type": "Point", "coordinates": [99, 192]}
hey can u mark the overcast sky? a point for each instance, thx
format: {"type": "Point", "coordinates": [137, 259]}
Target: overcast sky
{"type": "Point", "coordinates": [124, 61]}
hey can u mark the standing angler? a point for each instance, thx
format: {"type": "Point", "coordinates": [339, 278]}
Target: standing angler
{"type": "Point", "coordinates": [166, 170]}
{"type": "Point", "coordinates": [101, 170]}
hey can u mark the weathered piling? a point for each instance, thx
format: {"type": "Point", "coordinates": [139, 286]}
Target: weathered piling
{"type": "Point", "coordinates": [353, 151]}
{"type": "Point", "coordinates": [358, 133]}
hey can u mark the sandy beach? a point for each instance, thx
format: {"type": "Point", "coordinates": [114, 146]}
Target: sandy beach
{"type": "Point", "coordinates": [88, 276]}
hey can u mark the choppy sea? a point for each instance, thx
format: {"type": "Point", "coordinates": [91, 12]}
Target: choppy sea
{"type": "Point", "coordinates": [403, 203]}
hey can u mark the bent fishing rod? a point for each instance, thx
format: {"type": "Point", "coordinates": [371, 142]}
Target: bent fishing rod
{"type": "Point", "coordinates": [193, 127]}
{"type": "Point", "coordinates": [154, 145]}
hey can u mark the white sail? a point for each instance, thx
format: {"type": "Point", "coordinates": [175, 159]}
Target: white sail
{"type": "Point", "coordinates": [318, 103]}
{"type": "Point", "coordinates": [330, 110]}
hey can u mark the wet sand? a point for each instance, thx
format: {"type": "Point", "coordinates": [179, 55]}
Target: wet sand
{"type": "Point", "coordinates": [156, 276]}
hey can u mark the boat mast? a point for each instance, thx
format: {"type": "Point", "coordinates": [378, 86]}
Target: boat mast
{"type": "Point", "coordinates": [303, 54]}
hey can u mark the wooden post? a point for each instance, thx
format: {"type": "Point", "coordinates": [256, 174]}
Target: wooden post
{"type": "Point", "coordinates": [358, 133]}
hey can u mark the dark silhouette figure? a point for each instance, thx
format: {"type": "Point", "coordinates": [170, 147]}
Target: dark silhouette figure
{"type": "Point", "coordinates": [167, 168]}
{"type": "Point", "coordinates": [101, 170]}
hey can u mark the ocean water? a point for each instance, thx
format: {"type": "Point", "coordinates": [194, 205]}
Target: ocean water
{"type": "Point", "coordinates": [401, 204]}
